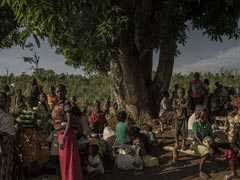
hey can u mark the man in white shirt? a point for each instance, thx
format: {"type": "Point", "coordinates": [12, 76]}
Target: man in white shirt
{"type": "Point", "coordinates": [194, 118]}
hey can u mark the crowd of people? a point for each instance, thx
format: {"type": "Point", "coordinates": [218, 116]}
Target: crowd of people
{"type": "Point", "coordinates": [194, 114]}
{"type": "Point", "coordinates": [90, 142]}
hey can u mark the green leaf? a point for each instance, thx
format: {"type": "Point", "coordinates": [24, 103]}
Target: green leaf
{"type": "Point", "coordinates": [3, 3]}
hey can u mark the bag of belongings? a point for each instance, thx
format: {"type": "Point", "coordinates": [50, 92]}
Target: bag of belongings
{"type": "Point", "coordinates": [150, 161]}
{"type": "Point", "coordinates": [128, 158]}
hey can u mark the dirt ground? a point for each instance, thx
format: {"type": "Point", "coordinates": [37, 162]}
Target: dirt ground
{"type": "Point", "coordinates": [185, 169]}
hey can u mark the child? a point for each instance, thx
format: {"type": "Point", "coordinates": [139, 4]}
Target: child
{"type": "Point", "coordinates": [148, 131]}
{"type": "Point", "coordinates": [150, 135]}
{"type": "Point", "coordinates": [151, 139]}
{"type": "Point", "coordinates": [180, 108]}
{"type": "Point", "coordinates": [95, 165]}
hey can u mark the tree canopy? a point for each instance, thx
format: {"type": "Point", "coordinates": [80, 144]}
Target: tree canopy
{"type": "Point", "coordinates": [121, 35]}
{"type": "Point", "coordinates": [86, 31]}
{"type": "Point", "coordinates": [7, 25]}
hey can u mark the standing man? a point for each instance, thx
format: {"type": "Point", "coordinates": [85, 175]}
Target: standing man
{"type": "Point", "coordinates": [196, 91]}
{"type": "Point", "coordinates": [7, 138]}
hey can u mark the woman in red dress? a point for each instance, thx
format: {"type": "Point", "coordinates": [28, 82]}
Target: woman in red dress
{"type": "Point", "coordinates": [69, 155]}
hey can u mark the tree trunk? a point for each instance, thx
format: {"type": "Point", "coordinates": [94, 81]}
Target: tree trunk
{"type": "Point", "coordinates": [132, 61]}
{"type": "Point", "coordinates": [130, 87]}
{"type": "Point", "coordinates": [163, 74]}
{"type": "Point", "coordinates": [165, 66]}
{"type": "Point", "coordinates": [130, 81]}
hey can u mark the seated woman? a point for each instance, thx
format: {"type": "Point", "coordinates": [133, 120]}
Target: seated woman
{"type": "Point", "coordinates": [202, 141]}
{"type": "Point", "coordinates": [108, 134]}
{"type": "Point", "coordinates": [122, 129]}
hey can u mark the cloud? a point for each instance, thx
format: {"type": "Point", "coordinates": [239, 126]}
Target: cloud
{"type": "Point", "coordinates": [227, 59]}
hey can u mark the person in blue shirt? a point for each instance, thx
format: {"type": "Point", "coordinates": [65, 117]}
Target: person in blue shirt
{"type": "Point", "coordinates": [122, 129]}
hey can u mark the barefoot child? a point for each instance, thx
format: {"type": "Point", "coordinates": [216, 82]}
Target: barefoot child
{"type": "Point", "coordinates": [180, 108]}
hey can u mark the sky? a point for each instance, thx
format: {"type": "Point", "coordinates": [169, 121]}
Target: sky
{"type": "Point", "coordinates": [199, 54]}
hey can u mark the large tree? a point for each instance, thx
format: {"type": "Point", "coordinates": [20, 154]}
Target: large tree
{"type": "Point", "coordinates": [121, 35]}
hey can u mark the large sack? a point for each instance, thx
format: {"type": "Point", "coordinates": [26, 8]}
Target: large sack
{"type": "Point", "coordinates": [150, 161]}
{"type": "Point", "coordinates": [128, 162]}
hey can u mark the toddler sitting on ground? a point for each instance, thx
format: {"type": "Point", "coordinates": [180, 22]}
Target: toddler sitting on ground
{"type": "Point", "coordinates": [95, 165]}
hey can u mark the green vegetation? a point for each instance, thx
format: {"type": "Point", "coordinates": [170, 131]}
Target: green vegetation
{"type": "Point", "coordinates": [98, 87]}
{"type": "Point", "coordinates": [226, 78]}
{"type": "Point", "coordinates": [120, 36]}
{"type": "Point", "coordinates": [87, 89]}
